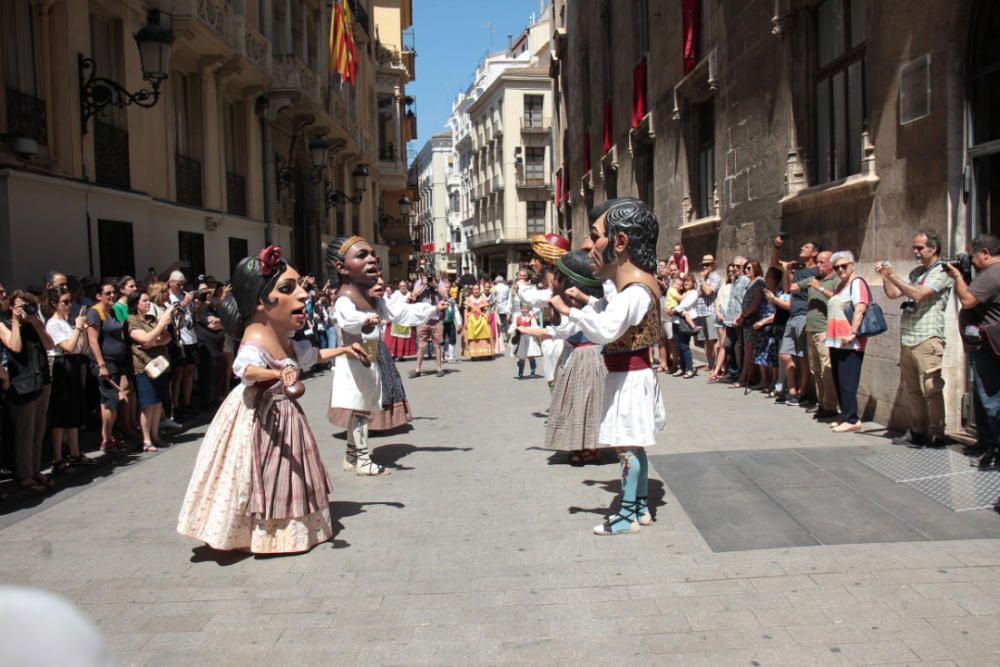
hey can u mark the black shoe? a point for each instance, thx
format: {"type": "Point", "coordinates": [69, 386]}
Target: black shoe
{"type": "Point", "coordinates": [974, 450]}
{"type": "Point", "coordinates": [911, 439]}
{"type": "Point", "coordinates": [986, 461]}
{"type": "Point", "coordinates": [780, 398]}
{"type": "Point", "coordinates": [825, 414]}
{"type": "Point", "coordinates": [938, 442]}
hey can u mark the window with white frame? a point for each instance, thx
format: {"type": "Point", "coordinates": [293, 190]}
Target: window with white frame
{"type": "Point", "coordinates": [536, 217]}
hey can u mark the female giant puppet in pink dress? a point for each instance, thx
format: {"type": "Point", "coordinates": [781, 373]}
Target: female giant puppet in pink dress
{"type": "Point", "coordinates": [259, 484]}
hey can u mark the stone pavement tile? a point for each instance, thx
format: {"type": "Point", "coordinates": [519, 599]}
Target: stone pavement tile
{"type": "Point", "coordinates": [596, 593]}
{"type": "Point", "coordinates": [731, 602]}
{"type": "Point", "coordinates": [645, 624]}
{"type": "Point", "coordinates": [703, 620]}
{"type": "Point", "coordinates": [796, 656]}
{"type": "Point", "coordinates": [927, 608]}
{"type": "Point", "coordinates": [211, 641]}
{"type": "Point", "coordinates": [347, 637]}
{"type": "Point", "coordinates": [261, 606]}
{"type": "Point", "coordinates": [966, 652]}
{"type": "Point", "coordinates": [185, 623]}
{"type": "Point", "coordinates": [937, 575]}
{"type": "Point", "coordinates": [717, 640]}
{"type": "Point", "coordinates": [860, 612]}
{"type": "Point", "coordinates": [709, 658]}
{"type": "Point", "coordinates": [225, 622]}
{"type": "Point", "coordinates": [352, 604]}
{"type": "Point", "coordinates": [980, 558]}
{"type": "Point", "coordinates": [787, 583]}
{"type": "Point", "coordinates": [872, 653]}
{"type": "Point", "coordinates": [845, 579]}
{"type": "Point", "coordinates": [302, 620]}
{"type": "Point", "coordinates": [533, 596]}
{"type": "Point", "coordinates": [896, 628]}
{"type": "Point", "coordinates": [878, 592]}
{"type": "Point", "coordinates": [824, 597]}
{"type": "Point", "coordinates": [616, 608]}
{"type": "Point", "coordinates": [828, 634]}
{"type": "Point", "coordinates": [788, 617]}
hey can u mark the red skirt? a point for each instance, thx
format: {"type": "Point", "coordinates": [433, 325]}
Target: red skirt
{"type": "Point", "coordinates": [401, 347]}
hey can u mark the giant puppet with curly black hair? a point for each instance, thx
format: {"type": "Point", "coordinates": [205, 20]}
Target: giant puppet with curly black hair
{"type": "Point", "coordinates": [259, 483]}
{"type": "Point", "coordinates": [624, 250]}
{"type": "Point", "coordinates": [358, 389]}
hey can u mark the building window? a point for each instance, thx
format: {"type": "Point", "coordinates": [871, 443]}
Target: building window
{"type": "Point", "coordinates": [191, 249]}
{"type": "Point", "coordinates": [705, 144]}
{"type": "Point", "coordinates": [187, 169]}
{"type": "Point", "coordinates": [236, 185]}
{"type": "Point", "coordinates": [111, 144]}
{"type": "Point", "coordinates": [25, 110]}
{"type": "Point", "coordinates": [534, 165]}
{"type": "Point", "coordinates": [841, 107]}
{"type": "Point", "coordinates": [238, 249]}
{"type": "Point", "coordinates": [533, 110]}
{"type": "Point", "coordinates": [536, 217]}
{"type": "Point", "coordinates": [117, 254]}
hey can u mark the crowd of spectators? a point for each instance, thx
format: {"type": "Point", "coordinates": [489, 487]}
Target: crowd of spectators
{"type": "Point", "coordinates": [797, 332]}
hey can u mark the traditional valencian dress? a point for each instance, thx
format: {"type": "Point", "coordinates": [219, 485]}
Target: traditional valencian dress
{"type": "Point", "coordinates": [478, 336]}
{"type": "Point", "coordinates": [578, 395]}
{"type": "Point", "coordinates": [259, 483]}
{"type": "Point", "coordinates": [360, 388]}
{"type": "Point", "coordinates": [401, 340]}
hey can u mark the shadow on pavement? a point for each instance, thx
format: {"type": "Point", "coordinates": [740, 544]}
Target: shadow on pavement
{"type": "Point", "coordinates": [613, 486]}
{"type": "Point", "coordinates": [206, 554]}
{"type": "Point", "coordinates": [390, 455]}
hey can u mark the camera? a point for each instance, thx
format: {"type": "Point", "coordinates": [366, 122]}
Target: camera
{"type": "Point", "coordinates": [962, 262]}
{"type": "Point", "coordinates": [30, 309]}
{"type": "Point", "coordinates": [909, 304]}
{"type": "Point", "coordinates": [784, 236]}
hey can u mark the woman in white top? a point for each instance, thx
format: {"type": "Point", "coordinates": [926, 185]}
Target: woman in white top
{"type": "Point", "coordinates": [684, 326]}
{"type": "Point", "coordinates": [68, 358]}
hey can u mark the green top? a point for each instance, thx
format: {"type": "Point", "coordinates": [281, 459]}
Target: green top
{"type": "Point", "coordinates": [816, 307]}
{"type": "Point", "coordinates": [926, 319]}
{"type": "Point", "coordinates": [121, 311]}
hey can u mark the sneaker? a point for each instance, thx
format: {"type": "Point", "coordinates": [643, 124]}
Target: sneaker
{"type": "Point", "coordinates": [780, 398]}
{"type": "Point", "coordinates": [414, 374]}
{"type": "Point", "coordinates": [170, 425]}
{"type": "Point", "coordinates": [911, 439]}
{"type": "Point", "coordinates": [793, 401]}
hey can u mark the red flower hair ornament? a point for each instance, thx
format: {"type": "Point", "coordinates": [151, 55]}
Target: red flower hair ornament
{"type": "Point", "coordinates": [270, 258]}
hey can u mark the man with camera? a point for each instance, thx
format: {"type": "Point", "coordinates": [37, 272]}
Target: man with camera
{"type": "Point", "coordinates": [793, 351]}
{"type": "Point", "coordinates": [183, 364]}
{"type": "Point", "coordinates": [431, 331]}
{"type": "Point", "coordinates": [922, 338]}
{"type": "Point", "coordinates": [980, 322]}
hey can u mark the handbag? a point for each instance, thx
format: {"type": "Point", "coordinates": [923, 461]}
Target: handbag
{"type": "Point", "coordinates": [157, 367]}
{"type": "Point", "coordinates": [685, 328]}
{"type": "Point", "coordinates": [873, 322]}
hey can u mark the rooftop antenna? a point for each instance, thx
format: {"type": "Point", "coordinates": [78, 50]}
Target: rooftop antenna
{"type": "Point", "coordinates": [489, 24]}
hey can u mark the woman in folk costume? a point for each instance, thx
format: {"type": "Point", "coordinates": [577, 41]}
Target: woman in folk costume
{"type": "Point", "coordinates": [625, 250]}
{"type": "Point", "coordinates": [259, 483]}
{"type": "Point", "coordinates": [358, 389]}
{"type": "Point", "coordinates": [401, 341]}
{"type": "Point", "coordinates": [578, 396]}
{"type": "Point", "coordinates": [547, 249]}
{"type": "Point", "coordinates": [478, 333]}
{"type": "Point", "coordinates": [395, 410]}
{"type": "Point", "coordinates": [525, 345]}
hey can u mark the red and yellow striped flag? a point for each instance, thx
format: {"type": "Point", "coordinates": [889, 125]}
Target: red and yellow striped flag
{"type": "Point", "coordinates": [343, 53]}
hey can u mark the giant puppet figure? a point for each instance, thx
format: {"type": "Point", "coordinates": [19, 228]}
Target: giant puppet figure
{"type": "Point", "coordinates": [624, 251]}
{"type": "Point", "coordinates": [546, 249]}
{"type": "Point", "coordinates": [357, 387]}
{"type": "Point", "coordinates": [259, 484]}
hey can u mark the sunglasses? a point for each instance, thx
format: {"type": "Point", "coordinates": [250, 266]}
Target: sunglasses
{"type": "Point", "coordinates": [65, 302]}
{"type": "Point", "coordinates": [842, 267]}
{"type": "Point", "coordinates": [918, 248]}
{"type": "Point", "coordinates": [111, 293]}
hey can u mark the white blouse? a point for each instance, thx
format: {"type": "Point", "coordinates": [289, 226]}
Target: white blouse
{"type": "Point", "coordinates": [251, 354]}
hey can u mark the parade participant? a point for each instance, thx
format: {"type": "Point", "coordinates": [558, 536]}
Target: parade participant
{"type": "Point", "coordinates": [402, 341]}
{"type": "Point", "coordinates": [525, 344]}
{"type": "Point", "coordinates": [259, 483]}
{"type": "Point", "coordinates": [395, 410]}
{"type": "Point", "coordinates": [547, 249]}
{"type": "Point", "coordinates": [573, 420]}
{"type": "Point", "coordinates": [625, 250]}
{"type": "Point", "coordinates": [478, 334]}
{"type": "Point", "coordinates": [357, 387]}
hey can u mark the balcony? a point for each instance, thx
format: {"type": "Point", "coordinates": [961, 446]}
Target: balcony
{"type": "Point", "coordinates": [497, 183]}
{"type": "Point", "coordinates": [204, 25]}
{"type": "Point", "coordinates": [249, 44]}
{"type": "Point", "coordinates": [389, 60]}
{"type": "Point", "coordinates": [534, 179]}
{"type": "Point", "coordinates": [291, 74]}
{"type": "Point", "coordinates": [387, 153]}
{"type": "Point", "coordinates": [236, 194]}
{"type": "Point", "coordinates": [26, 117]}
{"type": "Point", "coordinates": [535, 124]}
{"type": "Point", "coordinates": [111, 155]}
{"type": "Point", "coordinates": [188, 174]}
{"type": "Point", "coordinates": [360, 17]}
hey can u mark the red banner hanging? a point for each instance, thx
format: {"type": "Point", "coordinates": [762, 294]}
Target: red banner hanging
{"type": "Point", "coordinates": [639, 92]}
{"type": "Point", "coordinates": [608, 133]}
{"type": "Point", "coordinates": [689, 23]}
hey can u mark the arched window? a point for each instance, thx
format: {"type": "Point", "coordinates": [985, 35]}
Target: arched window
{"type": "Point", "coordinates": [984, 117]}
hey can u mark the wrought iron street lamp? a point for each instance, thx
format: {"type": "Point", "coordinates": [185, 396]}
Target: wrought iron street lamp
{"type": "Point", "coordinates": [154, 40]}
{"type": "Point", "coordinates": [338, 198]}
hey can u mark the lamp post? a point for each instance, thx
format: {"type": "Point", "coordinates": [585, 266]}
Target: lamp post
{"type": "Point", "coordinates": [154, 41]}
{"type": "Point", "coordinates": [339, 198]}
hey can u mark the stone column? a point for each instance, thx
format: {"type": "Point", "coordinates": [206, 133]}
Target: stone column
{"type": "Point", "coordinates": [212, 165]}
{"type": "Point", "coordinates": [254, 156]}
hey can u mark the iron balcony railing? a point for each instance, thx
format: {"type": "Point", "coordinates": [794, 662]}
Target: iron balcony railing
{"type": "Point", "coordinates": [111, 155]}
{"type": "Point", "coordinates": [26, 116]}
{"type": "Point", "coordinates": [188, 173]}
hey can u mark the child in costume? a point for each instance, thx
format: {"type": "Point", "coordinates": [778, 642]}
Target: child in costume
{"type": "Point", "coordinates": [624, 250]}
{"type": "Point", "coordinates": [358, 389]}
{"type": "Point", "coordinates": [547, 249]}
{"type": "Point", "coordinates": [259, 483]}
{"type": "Point", "coordinates": [525, 345]}
{"type": "Point", "coordinates": [578, 395]}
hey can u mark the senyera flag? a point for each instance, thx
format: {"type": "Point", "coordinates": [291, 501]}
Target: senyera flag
{"type": "Point", "coordinates": [343, 53]}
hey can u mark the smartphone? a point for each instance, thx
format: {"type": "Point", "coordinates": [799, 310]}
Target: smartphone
{"type": "Point", "coordinates": [783, 236]}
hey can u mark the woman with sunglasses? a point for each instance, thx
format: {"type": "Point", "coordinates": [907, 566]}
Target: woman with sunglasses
{"type": "Point", "coordinates": [109, 361]}
{"type": "Point", "coordinates": [721, 302]}
{"type": "Point", "coordinates": [847, 350]}
{"type": "Point", "coordinates": [68, 356]}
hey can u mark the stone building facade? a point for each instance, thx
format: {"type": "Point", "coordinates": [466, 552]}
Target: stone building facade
{"type": "Point", "coordinates": [431, 170]}
{"type": "Point", "coordinates": [853, 123]}
{"type": "Point", "coordinates": [222, 163]}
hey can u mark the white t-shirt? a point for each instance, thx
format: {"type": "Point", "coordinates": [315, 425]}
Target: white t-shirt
{"type": "Point", "coordinates": [60, 331]}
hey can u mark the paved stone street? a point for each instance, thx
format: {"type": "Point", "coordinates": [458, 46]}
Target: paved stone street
{"type": "Point", "coordinates": [477, 549]}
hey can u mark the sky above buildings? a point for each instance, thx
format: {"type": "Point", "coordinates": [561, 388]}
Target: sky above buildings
{"type": "Point", "coordinates": [451, 38]}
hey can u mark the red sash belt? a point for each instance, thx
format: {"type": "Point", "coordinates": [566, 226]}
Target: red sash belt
{"type": "Point", "coordinates": [621, 362]}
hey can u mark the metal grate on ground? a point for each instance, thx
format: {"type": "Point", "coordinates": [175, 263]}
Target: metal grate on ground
{"type": "Point", "coordinates": [940, 474]}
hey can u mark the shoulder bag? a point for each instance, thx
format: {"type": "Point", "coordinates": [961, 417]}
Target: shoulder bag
{"type": "Point", "coordinates": [873, 322]}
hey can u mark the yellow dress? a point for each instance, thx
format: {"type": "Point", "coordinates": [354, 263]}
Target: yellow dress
{"type": "Point", "coordinates": [477, 328]}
